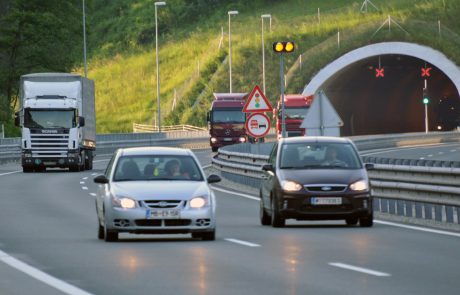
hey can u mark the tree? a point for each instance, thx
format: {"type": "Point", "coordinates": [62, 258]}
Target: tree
{"type": "Point", "coordinates": [36, 36]}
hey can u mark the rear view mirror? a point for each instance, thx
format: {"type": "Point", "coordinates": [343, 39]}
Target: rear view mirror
{"type": "Point", "coordinates": [267, 167]}
{"type": "Point", "coordinates": [213, 178]}
{"type": "Point", "coordinates": [101, 179]}
{"type": "Point", "coordinates": [81, 121]}
{"type": "Point", "coordinates": [17, 122]}
{"type": "Point", "coordinates": [369, 166]}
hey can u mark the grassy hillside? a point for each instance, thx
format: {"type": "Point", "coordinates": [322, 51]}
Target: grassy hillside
{"type": "Point", "coordinates": [193, 66]}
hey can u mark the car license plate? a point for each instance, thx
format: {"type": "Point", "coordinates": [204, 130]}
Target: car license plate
{"type": "Point", "coordinates": [227, 139]}
{"type": "Point", "coordinates": [165, 213]}
{"type": "Point", "coordinates": [326, 201]}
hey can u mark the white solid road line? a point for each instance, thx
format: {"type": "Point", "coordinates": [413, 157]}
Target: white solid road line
{"type": "Point", "coordinates": [8, 173]}
{"type": "Point", "coordinates": [429, 230]}
{"type": "Point", "coordinates": [235, 193]}
{"type": "Point", "coordinates": [359, 269]}
{"type": "Point", "coordinates": [41, 276]}
{"type": "Point", "coordinates": [244, 243]}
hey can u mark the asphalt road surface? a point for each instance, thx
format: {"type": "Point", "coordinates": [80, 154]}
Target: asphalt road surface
{"type": "Point", "coordinates": [49, 245]}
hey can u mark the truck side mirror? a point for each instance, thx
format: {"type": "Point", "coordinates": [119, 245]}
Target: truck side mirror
{"type": "Point", "coordinates": [208, 116]}
{"type": "Point", "coordinates": [81, 121]}
{"type": "Point", "coordinates": [17, 122]}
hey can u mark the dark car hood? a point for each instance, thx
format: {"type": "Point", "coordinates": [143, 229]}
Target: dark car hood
{"type": "Point", "coordinates": [323, 176]}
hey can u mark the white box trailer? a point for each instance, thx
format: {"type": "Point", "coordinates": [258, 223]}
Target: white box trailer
{"type": "Point", "coordinates": [57, 117]}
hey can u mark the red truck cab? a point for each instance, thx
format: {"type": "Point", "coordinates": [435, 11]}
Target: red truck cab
{"type": "Point", "coordinates": [226, 120]}
{"type": "Point", "coordinates": [295, 107]}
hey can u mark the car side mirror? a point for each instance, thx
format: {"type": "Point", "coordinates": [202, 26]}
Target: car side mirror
{"type": "Point", "coordinates": [213, 178]}
{"type": "Point", "coordinates": [101, 179]}
{"type": "Point", "coordinates": [369, 166]}
{"type": "Point", "coordinates": [81, 121]}
{"type": "Point", "coordinates": [17, 122]}
{"type": "Point", "coordinates": [267, 167]}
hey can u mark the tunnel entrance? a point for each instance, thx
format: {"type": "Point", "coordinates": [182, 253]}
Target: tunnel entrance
{"type": "Point", "coordinates": [393, 103]}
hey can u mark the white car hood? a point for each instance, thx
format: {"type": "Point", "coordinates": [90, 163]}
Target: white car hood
{"type": "Point", "coordinates": [160, 190]}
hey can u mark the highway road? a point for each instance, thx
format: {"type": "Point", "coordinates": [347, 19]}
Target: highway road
{"type": "Point", "coordinates": [49, 223]}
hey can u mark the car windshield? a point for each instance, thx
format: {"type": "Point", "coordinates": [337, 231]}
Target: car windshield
{"type": "Point", "coordinates": [319, 156]}
{"type": "Point", "coordinates": [157, 167]}
{"type": "Point", "coordinates": [294, 113]}
{"type": "Point", "coordinates": [234, 116]}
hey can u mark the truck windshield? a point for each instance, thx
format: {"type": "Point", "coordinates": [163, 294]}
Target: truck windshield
{"type": "Point", "coordinates": [236, 116]}
{"type": "Point", "coordinates": [49, 118]}
{"type": "Point", "coordinates": [294, 113]}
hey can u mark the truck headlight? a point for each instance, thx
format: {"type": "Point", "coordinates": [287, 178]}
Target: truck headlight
{"type": "Point", "coordinates": [125, 203]}
{"type": "Point", "coordinates": [198, 202]}
{"type": "Point", "coordinates": [242, 139]}
{"type": "Point", "coordinates": [360, 185]}
{"type": "Point", "coordinates": [290, 186]}
{"type": "Point", "coordinates": [213, 139]}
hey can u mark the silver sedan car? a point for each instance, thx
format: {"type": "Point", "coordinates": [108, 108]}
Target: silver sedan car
{"type": "Point", "coordinates": [155, 190]}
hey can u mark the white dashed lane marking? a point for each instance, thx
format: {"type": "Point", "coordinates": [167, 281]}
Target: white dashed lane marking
{"type": "Point", "coordinates": [92, 194]}
{"type": "Point", "coordinates": [82, 182]}
{"type": "Point", "coordinates": [84, 188]}
{"type": "Point", "coordinates": [244, 243]}
{"type": "Point", "coordinates": [359, 269]}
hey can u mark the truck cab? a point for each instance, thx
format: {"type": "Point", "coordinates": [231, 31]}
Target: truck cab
{"type": "Point", "coordinates": [295, 107]}
{"type": "Point", "coordinates": [226, 120]}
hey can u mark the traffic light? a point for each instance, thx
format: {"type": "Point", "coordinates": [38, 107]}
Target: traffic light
{"type": "Point", "coordinates": [283, 47]}
{"type": "Point", "coordinates": [426, 99]}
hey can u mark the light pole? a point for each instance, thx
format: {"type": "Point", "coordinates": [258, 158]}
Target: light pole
{"type": "Point", "coordinates": [84, 39]}
{"type": "Point", "coordinates": [263, 48]}
{"type": "Point", "coordinates": [158, 66]}
{"type": "Point", "coordinates": [230, 13]}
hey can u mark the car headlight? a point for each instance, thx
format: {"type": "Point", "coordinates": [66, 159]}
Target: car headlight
{"type": "Point", "coordinates": [198, 202]}
{"type": "Point", "coordinates": [242, 139]}
{"type": "Point", "coordinates": [360, 185]}
{"type": "Point", "coordinates": [125, 203]}
{"type": "Point", "coordinates": [290, 186]}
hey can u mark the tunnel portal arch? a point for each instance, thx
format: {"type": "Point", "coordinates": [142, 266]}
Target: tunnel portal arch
{"type": "Point", "coordinates": [430, 55]}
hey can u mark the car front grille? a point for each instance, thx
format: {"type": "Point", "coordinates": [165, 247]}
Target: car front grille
{"type": "Point", "coordinates": [326, 188]}
{"type": "Point", "coordinates": [164, 204]}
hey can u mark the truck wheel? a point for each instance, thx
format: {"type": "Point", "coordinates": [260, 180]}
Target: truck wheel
{"type": "Point", "coordinates": [74, 168]}
{"type": "Point", "coordinates": [90, 166]}
{"type": "Point", "coordinates": [88, 160]}
{"type": "Point", "coordinates": [214, 149]}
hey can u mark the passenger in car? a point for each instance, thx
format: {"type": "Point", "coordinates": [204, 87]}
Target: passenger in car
{"type": "Point", "coordinates": [331, 158]}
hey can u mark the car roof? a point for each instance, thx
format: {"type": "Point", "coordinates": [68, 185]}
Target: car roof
{"type": "Point", "coordinates": [315, 139]}
{"type": "Point", "coordinates": [154, 150]}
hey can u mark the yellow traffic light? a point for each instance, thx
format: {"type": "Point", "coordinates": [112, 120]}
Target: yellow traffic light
{"type": "Point", "coordinates": [280, 47]}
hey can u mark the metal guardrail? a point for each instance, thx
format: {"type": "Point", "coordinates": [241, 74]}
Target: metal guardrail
{"type": "Point", "coordinates": [107, 143]}
{"type": "Point", "coordinates": [431, 191]}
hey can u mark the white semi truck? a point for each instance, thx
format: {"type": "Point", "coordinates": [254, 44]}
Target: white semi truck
{"type": "Point", "coordinates": [57, 117]}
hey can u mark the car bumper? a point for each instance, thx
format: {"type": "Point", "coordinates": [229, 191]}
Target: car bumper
{"type": "Point", "coordinates": [138, 221]}
{"type": "Point", "coordinates": [301, 207]}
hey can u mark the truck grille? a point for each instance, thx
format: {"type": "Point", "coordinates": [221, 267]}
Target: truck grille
{"type": "Point", "coordinates": [49, 145]}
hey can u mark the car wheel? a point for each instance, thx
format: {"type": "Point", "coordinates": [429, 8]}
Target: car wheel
{"type": "Point", "coordinates": [351, 221]}
{"type": "Point", "coordinates": [265, 219]}
{"type": "Point", "coordinates": [276, 220]}
{"type": "Point", "coordinates": [100, 231]}
{"type": "Point", "coordinates": [110, 235]}
{"type": "Point", "coordinates": [367, 221]}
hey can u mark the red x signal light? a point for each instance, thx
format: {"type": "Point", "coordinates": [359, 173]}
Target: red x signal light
{"type": "Point", "coordinates": [379, 72]}
{"type": "Point", "coordinates": [426, 72]}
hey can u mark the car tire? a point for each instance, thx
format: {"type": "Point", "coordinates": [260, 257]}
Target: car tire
{"type": "Point", "coordinates": [100, 232]}
{"type": "Point", "coordinates": [276, 219]}
{"type": "Point", "coordinates": [265, 219]}
{"type": "Point", "coordinates": [367, 221]}
{"type": "Point", "coordinates": [351, 221]}
{"type": "Point", "coordinates": [110, 235]}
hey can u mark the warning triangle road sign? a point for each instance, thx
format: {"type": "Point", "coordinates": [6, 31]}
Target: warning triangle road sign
{"type": "Point", "coordinates": [257, 102]}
